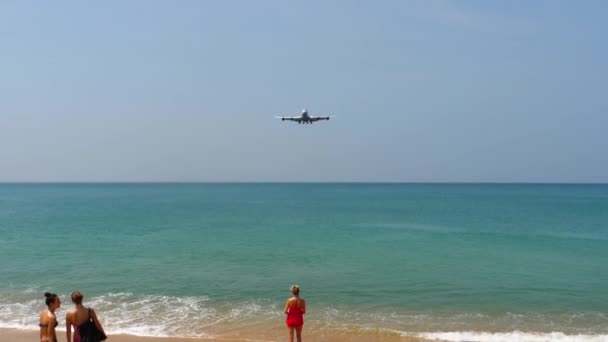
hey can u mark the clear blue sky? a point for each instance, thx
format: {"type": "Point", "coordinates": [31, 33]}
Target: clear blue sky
{"type": "Point", "coordinates": [187, 90]}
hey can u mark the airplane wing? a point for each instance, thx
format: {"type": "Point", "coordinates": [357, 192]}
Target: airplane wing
{"type": "Point", "coordinates": [317, 118]}
{"type": "Point", "coordinates": [289, 118]}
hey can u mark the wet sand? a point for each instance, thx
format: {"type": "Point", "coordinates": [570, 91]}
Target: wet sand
{"type": "Point", "coordinates": [13, 335]}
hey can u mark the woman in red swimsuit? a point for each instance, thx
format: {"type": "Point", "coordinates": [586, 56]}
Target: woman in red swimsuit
{"type": "Point", "coordinates": [295, 308]}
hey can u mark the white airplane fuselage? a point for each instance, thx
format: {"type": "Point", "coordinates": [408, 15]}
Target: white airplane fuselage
{"type": "Point", "coordinates": [304, 118]}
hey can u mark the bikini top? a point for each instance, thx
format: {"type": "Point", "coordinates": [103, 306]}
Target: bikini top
{"type": "Point", "coordinates": [47, 325]}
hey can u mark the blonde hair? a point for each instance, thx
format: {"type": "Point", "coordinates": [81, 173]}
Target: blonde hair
{"type": "Point", "coordinates": [295, 289]}
{"type": "Point", "coordinates": [77, 297]}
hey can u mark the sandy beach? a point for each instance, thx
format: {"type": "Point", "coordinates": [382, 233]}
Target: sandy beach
{"type": "Point", "coordinates": [13, 335]}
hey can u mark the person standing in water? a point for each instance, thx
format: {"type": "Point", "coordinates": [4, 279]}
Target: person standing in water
{"type": "Point", "coordinates": [78, 316]}
{"type": "Point", "coordinates": [48, 320]}
{"type": "Point", "coordinates": [295, 308]}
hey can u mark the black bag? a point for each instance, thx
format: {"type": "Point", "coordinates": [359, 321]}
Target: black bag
{"type": "Point", "coordinates": [89, 332]}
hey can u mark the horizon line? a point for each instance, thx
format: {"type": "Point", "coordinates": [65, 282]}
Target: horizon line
{"type": "Point", "coordinates": [310, 182]}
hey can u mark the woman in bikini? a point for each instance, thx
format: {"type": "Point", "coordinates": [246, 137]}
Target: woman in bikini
{"type": "Point", "coordinates": [48, 320]}
{"type": "Point", "coordinates": [295, 308]}
{"type": "Point", "coordinates": [77, 316]}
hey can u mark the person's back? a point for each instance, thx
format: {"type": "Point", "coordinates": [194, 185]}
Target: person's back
{"type": "Point", "coordinates": [295, 308]}
{"type": "Point", "coordinates": [295, 312]}
{"type": "Point", "coordinates": [76, 317]}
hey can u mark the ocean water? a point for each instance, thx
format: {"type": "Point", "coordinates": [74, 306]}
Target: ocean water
{"type": "Point", "coordinates": [457, 262]}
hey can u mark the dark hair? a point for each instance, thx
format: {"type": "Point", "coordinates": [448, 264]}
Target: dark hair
{"type": "Point", "coordinates": [77, 297]}
{"type": "Point", "coordinates": [50, 298]}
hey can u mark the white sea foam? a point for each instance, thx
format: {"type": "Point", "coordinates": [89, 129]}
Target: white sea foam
{"type": "Point", "coordinates": [19, 315]}
{"type": "Point", "coordinates": [199, 316]}
{"type": "Point", "coordinates": [147, 315]}
{"type": "Point", "coordinates": [515, 336]}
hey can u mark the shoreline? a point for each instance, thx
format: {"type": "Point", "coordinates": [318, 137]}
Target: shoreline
{"type": "Point", "coordinates": [272, 335]}
{"type": "Point", "coordinates": [17, 335]}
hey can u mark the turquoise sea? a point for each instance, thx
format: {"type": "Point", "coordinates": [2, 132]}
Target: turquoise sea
{"type": "Point", "coordinates": [474, 262]}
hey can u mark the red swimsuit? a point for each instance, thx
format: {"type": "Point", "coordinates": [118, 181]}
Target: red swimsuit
{"type": "Point", "coordinates": [294, 317]}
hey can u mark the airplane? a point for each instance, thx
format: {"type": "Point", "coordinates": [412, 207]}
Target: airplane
{"type": "Point", "coordinates": [304, 118]}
